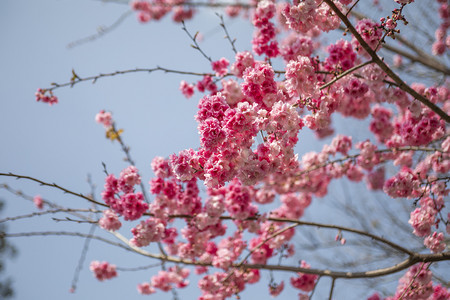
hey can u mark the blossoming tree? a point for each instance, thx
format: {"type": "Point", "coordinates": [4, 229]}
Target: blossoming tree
{"type": "Point", "coordinates": [232, 209]}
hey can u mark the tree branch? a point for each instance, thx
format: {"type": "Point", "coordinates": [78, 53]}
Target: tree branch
{"type": "Point", "coordinates": [54, 185]}
{"type": "Point", "coordinates": [413, 259]}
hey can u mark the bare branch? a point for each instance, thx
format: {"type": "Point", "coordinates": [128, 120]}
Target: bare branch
{"type": "Point", "coordinates": [53, 185]}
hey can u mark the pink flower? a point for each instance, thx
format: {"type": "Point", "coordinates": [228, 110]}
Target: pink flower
{"type": "Point", "coordinates": [42, 95]}
{"type": "Point", "coordinates": [38, 202]}
{"type": "Point", "coordinates": [276, 289]}
{"type": "Point", "coordinates": [145, 289]}
{"type": "Point", "coordinates": [187, 89]}
{"type": "Point", "coordinates": [370, 32]}
{"type": "Point", "coordinates": [304, 282]}
{"type": "Point", "coordinates": [152, 230]}
{"type": "Point", "coordinates": [220, 67]}
{"type": "Point", "coordinates": [105, 118]}
{"type": "Point", "coordinates": [301, 78]}
{"type": "Point", "coordinates": [109, 221]}
{"type": "Point", "coordinates": [103, 270]}
{"type": "Point", "coordinates": [129, 176]}
{"type": "Point", "coordinates": [243, 60]}
{"type": "Point", "coordinates": [422, 219]}
{"type": "Point", "coordinates": [435, 242]}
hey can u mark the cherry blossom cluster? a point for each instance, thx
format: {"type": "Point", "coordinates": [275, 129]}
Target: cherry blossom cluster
{"type": "Point", "coordinates": [264, 41]}
{"type": "Point", "coordinates": [103, 270]}
{"type": "Point", "coordinates": [109, 221]}
{"type": "Point", "coordinates": [417, 284]}
{"type": "Point", "coordinates": [305, 16]}
{"type": "Point", "coordinates": [46, 96]}
{"type": "Point", "coordinates": [157, 9]}
{"type": "Point", "coordinates": [304, 282]}
{"type": "Point", "coordinates": [341, 56]}
{"type": "Point", "coordinates": [119, 194]}
{"type": "Point", "coordinates": [371, 32]}
{"type": "Point", "coordinates": [442, 42]}
{"type": "Point", "coordinates": [104, 118]}
{"type": "Point", "coordinates": [37, 200]}
{"type": "Point", "coordinates": [165, 281]}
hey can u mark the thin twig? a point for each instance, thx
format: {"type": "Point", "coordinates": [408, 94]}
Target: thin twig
{"type": "Point", "coordinates": [82, 258]}
{"type": "Point", "coordinates": [54, 185]}
{"type": "Point", "coordinates": [343, 74]}
{"type": "Point", "coordinates": [350, 9]}
{"type": "Point", "coordinates": [101, 31]}
{"type": "Point", "coordinates": [124, 269]}
{"type": "Point", "coordinates": [314, 288]}
{"type": "Point", "coordinates": [77, 79]}
{"type": "Point", "coordinates": [52, 211]}
{"type": "Point", "coordinates": [332, 288]}
{"type": "Point", "coordinates": [227, 35]}
{"type": "Point", "coordinates": [194, 39]}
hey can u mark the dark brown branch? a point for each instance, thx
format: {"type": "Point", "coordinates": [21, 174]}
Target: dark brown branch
{"type": "Point", "coordinates": [94, 78]}
{"type": "Point", "coordinates": [53, 185]}
{"type": "Point", "coordinates": [52, 211]}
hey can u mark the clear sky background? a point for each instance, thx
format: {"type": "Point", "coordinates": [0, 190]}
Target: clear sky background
{"type": "Point", "coordinates": [63, 143]}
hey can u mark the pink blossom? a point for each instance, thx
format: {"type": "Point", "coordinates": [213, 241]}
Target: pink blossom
{"type": "Point", "coordinates": [42, 95]}
{"type": "Point", "coordinates": [145, 289]}
{"type": "Point", "coordinates": [375, 179]}
{"type": "Point", "coordinates": [38, 202]}
{"type": "Point", "coordinates": [304, 282]}
{"type": "Point", "coordinates": [129, 177]}
{"type": "Point", "coordinates": [220, 66]}
{"type": "Point", "coordinates": [187, 89]}
{"type": "Point", "coordinates": [342, 144]}
{"type": "Point", "coordinates": [402, 185]}
{"type": "Point", "coordinates": [276, 289]}
{"type": "Point", "coordinates": [370, 32]}
{"type": "Point", "coordinates": [375, 296]}
{"type": "Point", "coordinates": [243, 60]}
{"type": "Point", "coordinates": [438, 48]}
{"type": "Point", "coordinates": [131, 206]}
{"type": "Point", "coordinates": [161, 167]}
{"type": "Point", "coordinates": [368, 157]}
{"type": "Point", "coordinates": [105, 118]}
{"type": "Point", "coordinates": [182, 14]}
{"type": "Point", "coordinates": [109, 221]}
{"type": "Point", "coordinates": [422, 219]}
{"type": "Point", "coordinates": [341, 56]}
{"type": "Point", "coordinates": [296, 45]}
{"type": "Point", "coordinates": [206, 84]}
{"type": "Point", "coordinates": [151, 230]}
{"type": "Point", "coordinates": [435, 242]}
{"type": "Point", "coordinates": [103, 270]}
{"type": "Point", "coordinates": [300, 17]}
{"type": "Point", "coordinates": [183, 166]}
{"type": "Point", "coordinates": [416, 283]}
{"type": "Point", "coordinates": [301, 78]}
